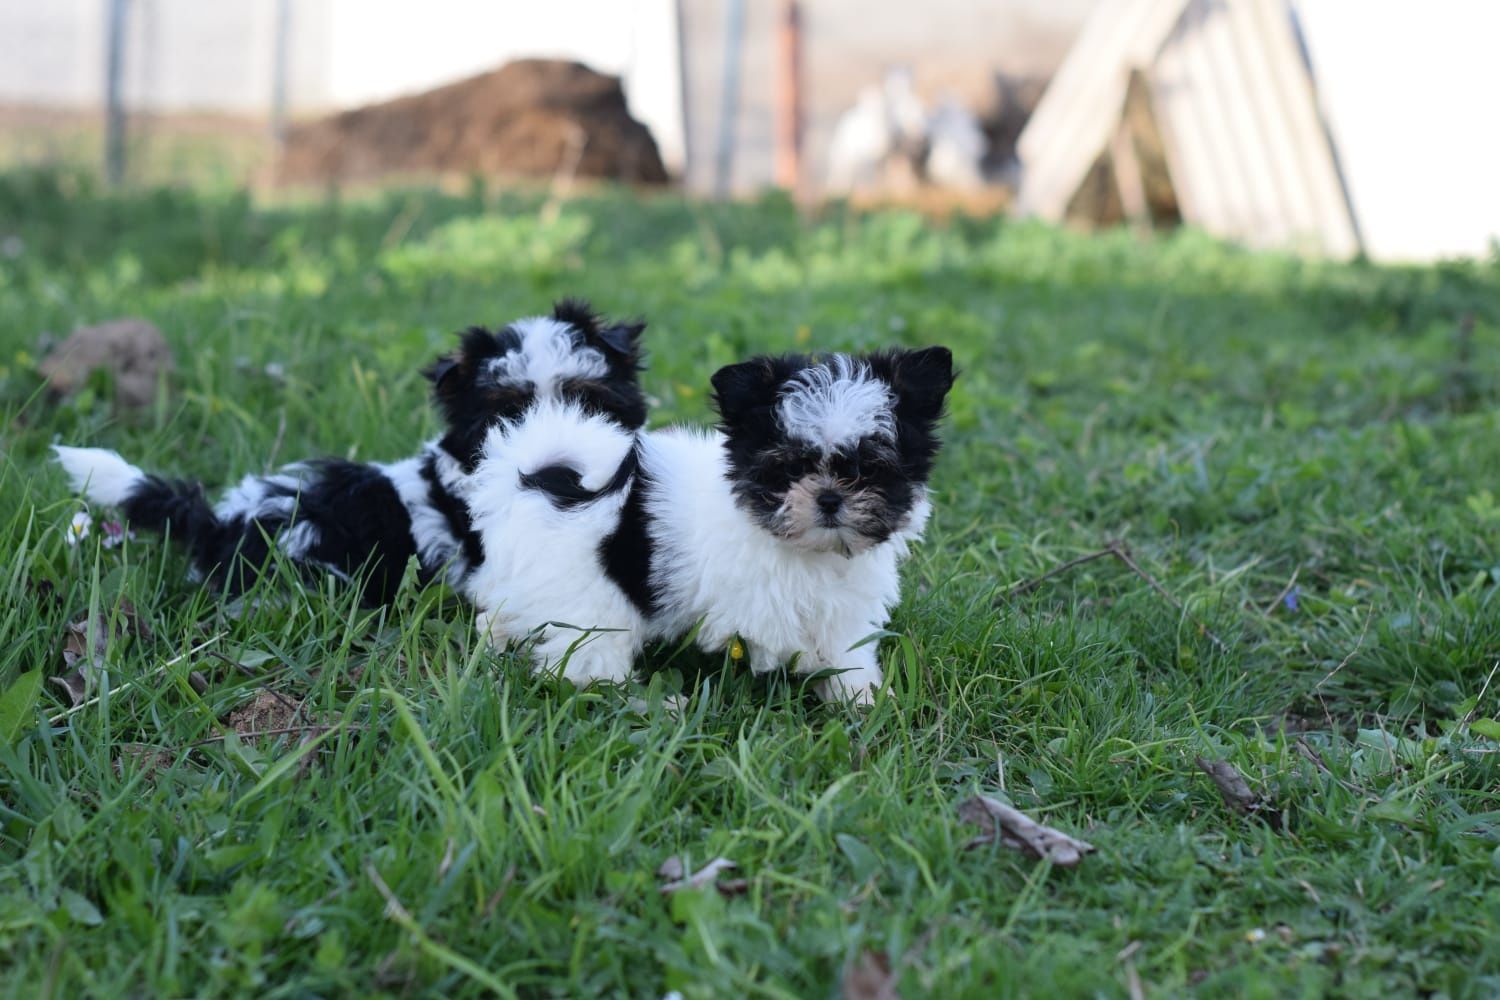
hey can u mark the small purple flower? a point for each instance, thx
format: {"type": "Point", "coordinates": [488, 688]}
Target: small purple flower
{"type": "Point", "coordinates": [114, 533]}
{"type": "Point", "coordinates": [1290, 600]}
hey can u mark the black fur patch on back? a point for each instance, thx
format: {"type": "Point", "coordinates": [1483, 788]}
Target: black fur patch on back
{"type": "Point", "coordinates": [359, 521]}
{"type": "Point", "coordinates": [626, 555]}
{"type": "Point", "coordinates": [179, 508]}
{"type": "Point", "coordinates": [564, 486]}
{"type": "Point", "coordinates": [454, 512]}
{"type": "Point", "coordinates": [362, 525]}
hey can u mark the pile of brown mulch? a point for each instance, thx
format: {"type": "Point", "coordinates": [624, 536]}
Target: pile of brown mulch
{"type": "Point", "coordinates": [530, 118]}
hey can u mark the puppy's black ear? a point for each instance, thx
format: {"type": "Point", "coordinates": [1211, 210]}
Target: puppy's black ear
{"type": "Point", "coordinates": [440, 369]}
{"type": "Point", "coordinates": [740, 390]}
{"type": "Point", "coordinates": [620, 338]}
{"type": "Point", "coordinates": [921, 380]}
{"type": "Point", "coordinates": [452, 373]}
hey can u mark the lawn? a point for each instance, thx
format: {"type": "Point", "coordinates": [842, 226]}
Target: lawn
{"type": "Point", "coordinates": [1300, 460]}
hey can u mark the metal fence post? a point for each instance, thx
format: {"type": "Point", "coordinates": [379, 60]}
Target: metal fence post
{"type": "Point", "coordinates": [114, 98]}
{"type": "Point", "coordinates": [789, 98]}
{"type": "Point", "coordinates": [729, 96]}
{"type": "Point", "coordinates": [280, 58]}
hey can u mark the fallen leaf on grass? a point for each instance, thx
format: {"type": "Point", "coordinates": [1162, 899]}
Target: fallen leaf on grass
{"type": "Point", "coordinates": [86, 646]}
{"type": "Point", "coordinates": [1016, 829]}
{"type": "Point", "coordinates": [869, 977]}
{"type": "Point", "coordinates": [1237, 793]}
{"type": "Point", "coordinates": [673, 869]}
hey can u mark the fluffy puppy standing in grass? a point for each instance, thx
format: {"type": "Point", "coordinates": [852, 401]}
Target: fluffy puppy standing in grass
{"type": "Point", "coordinates": [349, 518]}
{"type": "Point", "coordinates": [785, 528]}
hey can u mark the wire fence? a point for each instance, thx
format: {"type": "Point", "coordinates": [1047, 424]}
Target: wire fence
{"type": "Point", "coordinates": [154, 90]}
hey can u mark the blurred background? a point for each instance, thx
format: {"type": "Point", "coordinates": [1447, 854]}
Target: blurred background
{"type": "Point", "coordinates": [1331, 127]}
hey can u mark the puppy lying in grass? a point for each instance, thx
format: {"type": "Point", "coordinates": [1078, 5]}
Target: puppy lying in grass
{"type": "Point", "coordinates": [785, 528]}
{"type": "Point", "coordinates": [367, 520]}
{"type": "Point", "coordinates": [582, 537]}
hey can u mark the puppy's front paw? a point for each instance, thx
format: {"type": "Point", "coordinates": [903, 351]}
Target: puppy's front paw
{"type": "Point", "coordinates": [584, 665]}
{"type": "Point", "coordinates": [856, 687]}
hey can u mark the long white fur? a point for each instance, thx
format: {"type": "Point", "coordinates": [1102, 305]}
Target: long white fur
{"type": "Point", "coordinates": [430, 532]}
{"type": "Point", "coordinates": [99, 474]}
{"type": "Point", "coordinates": [547, 356]}
{"type": "Point", "coordinates": [836, 404]}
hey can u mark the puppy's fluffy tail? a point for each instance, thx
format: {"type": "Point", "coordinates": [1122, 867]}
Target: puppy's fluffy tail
{"type": "Point", "coordinates": [148, 502]}
{"type": "Point", "coordinates": [101, 476]}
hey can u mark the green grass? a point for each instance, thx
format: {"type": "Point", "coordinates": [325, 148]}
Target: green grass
{"type": "Point", "coordinates": [1238, 420]}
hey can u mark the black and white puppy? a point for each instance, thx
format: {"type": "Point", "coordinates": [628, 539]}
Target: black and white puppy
{"type": "Point", "coordinates": [785, 528]}
{"type": "Point", "coordinates": [348, 517]}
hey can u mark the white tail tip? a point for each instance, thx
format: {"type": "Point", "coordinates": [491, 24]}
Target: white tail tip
{"type": "Point", "coordinates": [99, 474]}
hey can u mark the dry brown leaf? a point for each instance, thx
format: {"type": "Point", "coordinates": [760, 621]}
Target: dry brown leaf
{"type": "Point", "coordinates": [83, 663]}
{"type": "Point", "coordinates": [1237, 794]}
{"type": "Point", "coordinates": [1016, 829]}
{"type": "Point", "coordinates": [869, 977]}
{"type": "Point", "coordinates": [76, 683]}
{"type": "Point", "coordinates": [673, 869]}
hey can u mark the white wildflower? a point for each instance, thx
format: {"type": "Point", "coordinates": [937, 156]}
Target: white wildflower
{"type": "Point", "coordinates": [78, 528]}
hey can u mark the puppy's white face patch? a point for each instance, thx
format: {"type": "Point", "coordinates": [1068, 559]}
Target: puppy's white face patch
{"type": "Point", "coordinates": [548, 355]}
{"type": "Point", "coordinates": [836, 404]}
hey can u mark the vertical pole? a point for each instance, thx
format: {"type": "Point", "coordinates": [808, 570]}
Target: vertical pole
{"type": "Point", "coordinates": [789, 97]}
{"type": "Point", "coordinates": [729, 97]}
{"type": "Point", "coordinates": [114, 98]}
{"type": "Point", "coordinates": [682, 92]}
{"type": "Point", "coordinates": [279, 59]}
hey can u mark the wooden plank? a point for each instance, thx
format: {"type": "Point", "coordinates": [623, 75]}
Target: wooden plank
{"type": "Point", "coordinates": [1264, 220]}
{"type": "Point", "coordinates": [1131, 186]}
{"type": "Point", "coordinates": [1270, 122]}
{"type": "Point", "coordinates": [1081, 107]}
{"type": "Point", "coordinates": [1227, 213]}
{"type": "Point", "coordinates": [1334, 228]}
{"type": "Point", "coordinates": [1200, 157]}
{"type": "Point", "coordinates": [1191, 179]}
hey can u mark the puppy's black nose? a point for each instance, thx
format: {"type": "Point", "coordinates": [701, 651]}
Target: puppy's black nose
{"type": "Point", "coordinates": [829, 502]}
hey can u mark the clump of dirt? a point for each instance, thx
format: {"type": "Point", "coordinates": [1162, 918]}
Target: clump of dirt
{"type": "Point", "coordinates": [132, 350]}
{"type": "Point", "coordinates": [530, 118]}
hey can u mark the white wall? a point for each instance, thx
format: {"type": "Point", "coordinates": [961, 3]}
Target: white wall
{"type": "Point", "coordinates": [180, 55]}
{"type": "Point", "coordinates": [1409, 91]}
